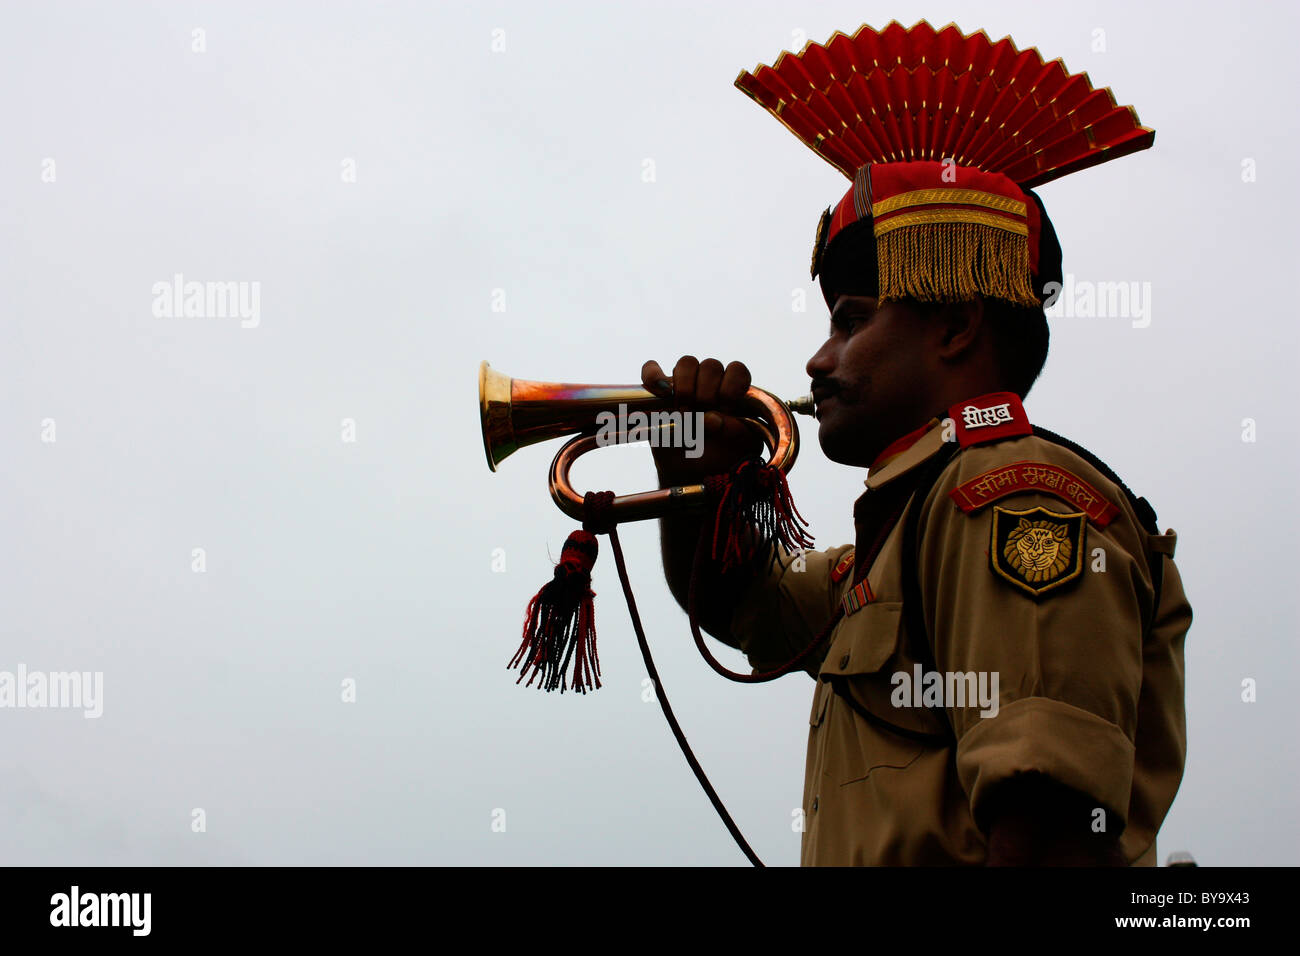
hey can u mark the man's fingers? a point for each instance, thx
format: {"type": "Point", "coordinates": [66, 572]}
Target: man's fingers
{"type": "Point", "coordinates": [654, 380]}
{"type": "Point", "coordinates": [684, 375]}
{"type": "Point", "coordinates": [697, 384]}
{"type": "Point", "coordinates": [735, 383]}
{"type": "Point", "coordinates": [708, 382]}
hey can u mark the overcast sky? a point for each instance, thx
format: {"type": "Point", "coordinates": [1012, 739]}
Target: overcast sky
{"type": "Point", "coordinates": [388, 173]}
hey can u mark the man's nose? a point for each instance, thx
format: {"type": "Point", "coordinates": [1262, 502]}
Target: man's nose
{"type": "Point", "coordinates": [823, 363]}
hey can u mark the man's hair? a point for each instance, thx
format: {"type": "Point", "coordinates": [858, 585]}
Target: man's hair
{"type": "Point", "coordinates": [1020, 337]}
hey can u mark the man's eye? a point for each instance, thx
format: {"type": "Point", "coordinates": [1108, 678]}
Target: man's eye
{"type": "Point", "coordinates": [848, 324]}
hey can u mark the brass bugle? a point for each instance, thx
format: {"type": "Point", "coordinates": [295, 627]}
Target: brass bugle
{"type": "Point", "coordinates": [517, 412]}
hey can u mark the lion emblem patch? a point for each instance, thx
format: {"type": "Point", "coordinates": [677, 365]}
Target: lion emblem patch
{"type": "Point", "coordinates": [1037, 550]}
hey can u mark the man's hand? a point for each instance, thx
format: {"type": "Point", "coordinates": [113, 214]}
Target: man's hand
{"type": "Point", "coordinates": [709, 388]}
{"type": "Point", "coordinates": [1038, 822]}
{"type": "Point", "coordinates": [726, 441]}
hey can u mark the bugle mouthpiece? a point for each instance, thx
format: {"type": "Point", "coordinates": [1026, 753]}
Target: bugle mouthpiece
{"type": "Point", "coordinates": [803, 405]}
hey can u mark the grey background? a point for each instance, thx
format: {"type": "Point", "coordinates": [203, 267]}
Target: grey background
{"type": "Point", "coordinates": [521, 170]}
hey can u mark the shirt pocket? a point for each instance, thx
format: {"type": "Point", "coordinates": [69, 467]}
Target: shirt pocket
{"type": "Point", "coordinates": [865, 641]}
{"type": "Point", "coordinates": [858, 673]}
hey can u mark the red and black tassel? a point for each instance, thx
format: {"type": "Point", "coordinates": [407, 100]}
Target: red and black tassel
{"type": "Point", "coordinates": [561, 623]}
{"type": "Point", "coordinates": [754, 510]}
{"type": "Point", "coordinates": [753, 498]}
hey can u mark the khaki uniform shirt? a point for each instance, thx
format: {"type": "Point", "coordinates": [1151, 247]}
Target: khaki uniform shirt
{"type": "Point", "coordinates": [1051, 601]}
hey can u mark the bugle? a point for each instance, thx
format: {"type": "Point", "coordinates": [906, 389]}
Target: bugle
{"type": "Point", "coordinates": [517, 412]}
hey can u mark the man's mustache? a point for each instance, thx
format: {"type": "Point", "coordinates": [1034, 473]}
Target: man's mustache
{"type": "Point", "coordinates": [825, 388]}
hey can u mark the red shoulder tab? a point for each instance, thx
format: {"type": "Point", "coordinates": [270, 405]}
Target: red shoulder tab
{"type": "Point", "coordinates": [843, 568]}
{"type": "Point", "coordinates": [991, 417]}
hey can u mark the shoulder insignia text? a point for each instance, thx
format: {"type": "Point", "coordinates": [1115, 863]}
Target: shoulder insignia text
{"type": "Point", "coordinates": [1037, 550]}
{"type": "Point", "coordinates": [1034, 476]}
{"type": "Point", "coordinates": [994, 417]}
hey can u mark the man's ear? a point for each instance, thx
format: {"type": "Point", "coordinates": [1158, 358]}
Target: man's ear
{"type": "Point", "coordinates": [960, 326]}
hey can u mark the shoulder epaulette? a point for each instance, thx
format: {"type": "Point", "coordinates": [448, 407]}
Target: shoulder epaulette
{"type": "Point", "coordinates": [988, 418]}
{"type": "Point", "coordinates": [844, 566]}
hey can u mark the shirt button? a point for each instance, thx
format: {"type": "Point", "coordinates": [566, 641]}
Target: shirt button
{"type": "Point", "coordinates": [844, 662]}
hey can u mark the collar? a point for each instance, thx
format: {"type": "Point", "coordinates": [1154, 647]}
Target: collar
{"type": "Point", "coordinates": [919, 449]}
{"type": "Point", "coordinates": [896, 448]}
{"type": "Point", "coordinates": [985, 418]}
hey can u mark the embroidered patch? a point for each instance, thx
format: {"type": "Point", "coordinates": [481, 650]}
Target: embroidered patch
{"type": "Point", "coordinates": [843, 568]}
{"type": "Point", "coordinates": [988, 418]}
{"type": "Point", "coordinates": [1034, 476]}
{"type": "Point", "coordinates": [1037, 550]}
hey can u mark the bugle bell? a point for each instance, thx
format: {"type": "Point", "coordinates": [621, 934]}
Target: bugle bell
{"type": "Point", "coordinates": [517, 412]}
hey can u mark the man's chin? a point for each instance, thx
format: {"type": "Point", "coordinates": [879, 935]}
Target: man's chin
{"type": "Point", "coordinates": [842, 444]}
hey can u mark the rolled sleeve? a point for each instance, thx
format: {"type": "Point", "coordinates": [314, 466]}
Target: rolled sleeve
{"type": "Point", "coordinates": [1030, 735]}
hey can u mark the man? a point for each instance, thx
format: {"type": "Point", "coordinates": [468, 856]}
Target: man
{"type": "Point", "coordinates": [1000, 675]}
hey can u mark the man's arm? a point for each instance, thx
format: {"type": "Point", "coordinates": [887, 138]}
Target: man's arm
{"type": "Point", "coordinates": [1017, 590]}
{"type": "Point", "coordinates": [714, 391]}
{"type": "Point", "coordinates": [716, 596]}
